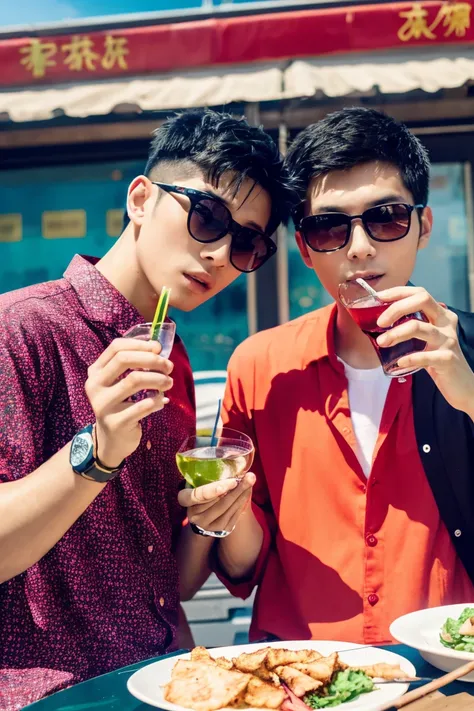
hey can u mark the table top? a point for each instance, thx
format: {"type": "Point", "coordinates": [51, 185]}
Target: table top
{"type": "Point", "coordinates": [109, 691]}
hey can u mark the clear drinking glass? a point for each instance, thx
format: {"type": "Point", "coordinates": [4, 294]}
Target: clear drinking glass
{"type": "Point", "coordinates": [365, 309]}
{"type": "Point", "coordinates": [202, 460]}
{"type": "Point", "coordinates": [165, 335]}
{"type": "Point", "coordinates": [165, 338]}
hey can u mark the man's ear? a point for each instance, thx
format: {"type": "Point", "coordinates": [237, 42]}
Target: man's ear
{"type": "Point", "coordinates": [426, 225]}
{"type": "Point", "coordinates": [139, 192]}
{"type": "Point", "coordinates": [303, 247]}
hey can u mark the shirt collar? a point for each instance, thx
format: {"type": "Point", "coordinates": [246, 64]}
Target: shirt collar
{"type": "Point", "coordinates": [320, 341]}
{"type": "Point", "coordinates": [101, 301]}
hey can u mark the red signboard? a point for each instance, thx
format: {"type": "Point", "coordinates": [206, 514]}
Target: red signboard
{"type": "Point", "coordinates": [236, 40]}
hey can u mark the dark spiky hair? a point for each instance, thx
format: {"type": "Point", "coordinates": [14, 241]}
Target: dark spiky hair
{"type": "Point", "coordinates": [358, 135]}
{"type": "Point", "coordinates": [217, 144]}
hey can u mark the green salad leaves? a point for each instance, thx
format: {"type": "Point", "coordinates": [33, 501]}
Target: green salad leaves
{"type": "Point", "coordinates": [459, 634]}
{"type": "Point", "coordinates": [345, 686]}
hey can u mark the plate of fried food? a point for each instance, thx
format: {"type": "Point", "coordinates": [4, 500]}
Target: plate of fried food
{"type": "Point", "coordinates": [285, 676]}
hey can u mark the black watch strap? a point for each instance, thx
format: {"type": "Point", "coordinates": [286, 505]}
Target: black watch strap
{"type": "Point", "coordinates": [84, 461]}
{"type": "Point", "coordinates": [100, 474]}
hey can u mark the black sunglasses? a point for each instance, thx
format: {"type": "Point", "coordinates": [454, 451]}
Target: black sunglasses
{"type": "Point", "coordinates": [209, 220]}
{"type": "Point", "coordinates": [331, 231]}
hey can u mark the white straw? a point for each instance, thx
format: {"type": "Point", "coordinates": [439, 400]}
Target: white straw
{"type": "Point", "coordinates": [368, 288]}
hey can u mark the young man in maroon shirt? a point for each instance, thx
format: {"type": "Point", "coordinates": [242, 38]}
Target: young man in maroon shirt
{"type": "Point", "coordinates": [88, 573]}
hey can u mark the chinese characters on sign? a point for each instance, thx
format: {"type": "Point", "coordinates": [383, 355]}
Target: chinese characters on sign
{"type": "Point", "coordinates": [78, 54]}
{"type": "Point", "coordinates": [160, 48]}
{"type": "Point", "coordinates": [115, 52]}
{"type": "Point", "coordinates": [453, 17]}
{"type": "Point", "coordinates": [38, 57]}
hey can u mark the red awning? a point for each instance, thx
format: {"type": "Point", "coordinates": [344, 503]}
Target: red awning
{"type": "Point", "coordinates": [221, 42]}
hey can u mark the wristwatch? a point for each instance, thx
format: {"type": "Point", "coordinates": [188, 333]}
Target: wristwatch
{"type": "Point", "coordinates": [84, 461]}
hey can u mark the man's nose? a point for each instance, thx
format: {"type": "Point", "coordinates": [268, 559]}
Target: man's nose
{"type": "Point", "coordinates": [360, 244]}
{"type": "Point", "coordinates": [218, 252]}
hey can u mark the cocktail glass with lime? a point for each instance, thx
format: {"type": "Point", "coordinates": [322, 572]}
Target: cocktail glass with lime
{"type": "Point", "coordinates": [206, 459]}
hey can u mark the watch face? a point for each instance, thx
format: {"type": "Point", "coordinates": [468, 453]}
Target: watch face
{"type": "Point", "coordinates": [81, 448]}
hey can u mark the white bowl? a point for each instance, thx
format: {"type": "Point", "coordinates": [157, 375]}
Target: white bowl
{"type": "Point", "coordinates": [421, 629]}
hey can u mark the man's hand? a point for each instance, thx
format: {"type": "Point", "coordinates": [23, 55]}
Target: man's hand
{"type": "Point", "coordinates": [217, 506]}
{"type": "Point", "coordinates": [118, 425]}
{"type": "Point", "coordinates": [443, 357]}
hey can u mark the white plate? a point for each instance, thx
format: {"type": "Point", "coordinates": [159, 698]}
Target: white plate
{"type": "Point", "coordinates": [145, 684]}
{"type": "Point", "coordinates": [421, 630]}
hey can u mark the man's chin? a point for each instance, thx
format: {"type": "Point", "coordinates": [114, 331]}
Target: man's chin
{"type": "Point", "coordinates": [187, 301]}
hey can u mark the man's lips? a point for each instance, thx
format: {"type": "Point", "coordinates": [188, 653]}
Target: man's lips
{"type": "Point", "coordinates": [199, 282]}
{"type": "Point", "coordinates": [367, 276]}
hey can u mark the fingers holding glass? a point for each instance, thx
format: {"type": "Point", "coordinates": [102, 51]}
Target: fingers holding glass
{"type": "Point", "coordinates": [166, 334]}
{"type": "Point", "coordinates": [366, 309]}
{"type": "Point", "coordinates": [206, 460]}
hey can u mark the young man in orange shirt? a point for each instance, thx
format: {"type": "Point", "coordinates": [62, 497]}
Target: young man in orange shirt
{"type": "Point", "coordinates": [362, 507]}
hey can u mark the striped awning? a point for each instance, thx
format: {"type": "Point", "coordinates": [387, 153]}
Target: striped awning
{"type": "Point", "coordinates": [397, 73]}
{"type": "Point", "coordinates": [155, 93]}
{"type": "Point", "coordinates": [384, 74]}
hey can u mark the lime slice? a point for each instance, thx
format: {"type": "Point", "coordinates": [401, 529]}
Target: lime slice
{"type": "Point", "coordinates": [198, 472]}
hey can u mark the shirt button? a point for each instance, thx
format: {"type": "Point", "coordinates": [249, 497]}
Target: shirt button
{"type": "Point", "coordinates": [371, 541]}
{"type": "Point", "coordinates": [150, 549]}
{"type": "Point", "coordinates": [148, 445]}
{"type": "Point", "coordinates": [346, 430]}
{"type": "Point", "coordinates": [162, 601]}
{"type": "Point", "coordinates": [426, 448]}
{"type": "Point", "coordinates": [373, 599]}
{"type": "Point", "coordinates": [458, 532]}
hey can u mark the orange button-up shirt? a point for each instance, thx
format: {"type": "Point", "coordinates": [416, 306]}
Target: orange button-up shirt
{"type": "Point", "coordinates": [342, 556]}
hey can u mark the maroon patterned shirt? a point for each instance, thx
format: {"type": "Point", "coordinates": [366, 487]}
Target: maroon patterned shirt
{"type": "Point", "coordinates": [107, 594]}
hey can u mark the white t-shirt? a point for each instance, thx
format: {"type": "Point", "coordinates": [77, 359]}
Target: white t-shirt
{"type": "Point", "coordinates": [367, 390]}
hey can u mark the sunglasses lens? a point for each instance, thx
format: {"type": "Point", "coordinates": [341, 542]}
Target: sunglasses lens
{"type": "Point", "coordinates": [387, 222]}
{"type": "Point", "coordinates": [249, 250]}
{"type": "Point", "coordinates": [209, 219]}
{"type": "Point", "coordinates": [324, 233]}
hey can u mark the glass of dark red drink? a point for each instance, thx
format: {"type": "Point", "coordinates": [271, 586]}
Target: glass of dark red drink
{"type": "Point", "coordinates": [365, 308]}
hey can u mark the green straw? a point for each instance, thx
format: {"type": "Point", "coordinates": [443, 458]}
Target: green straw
{"type": "Point", "coordinates": [160, 313]}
